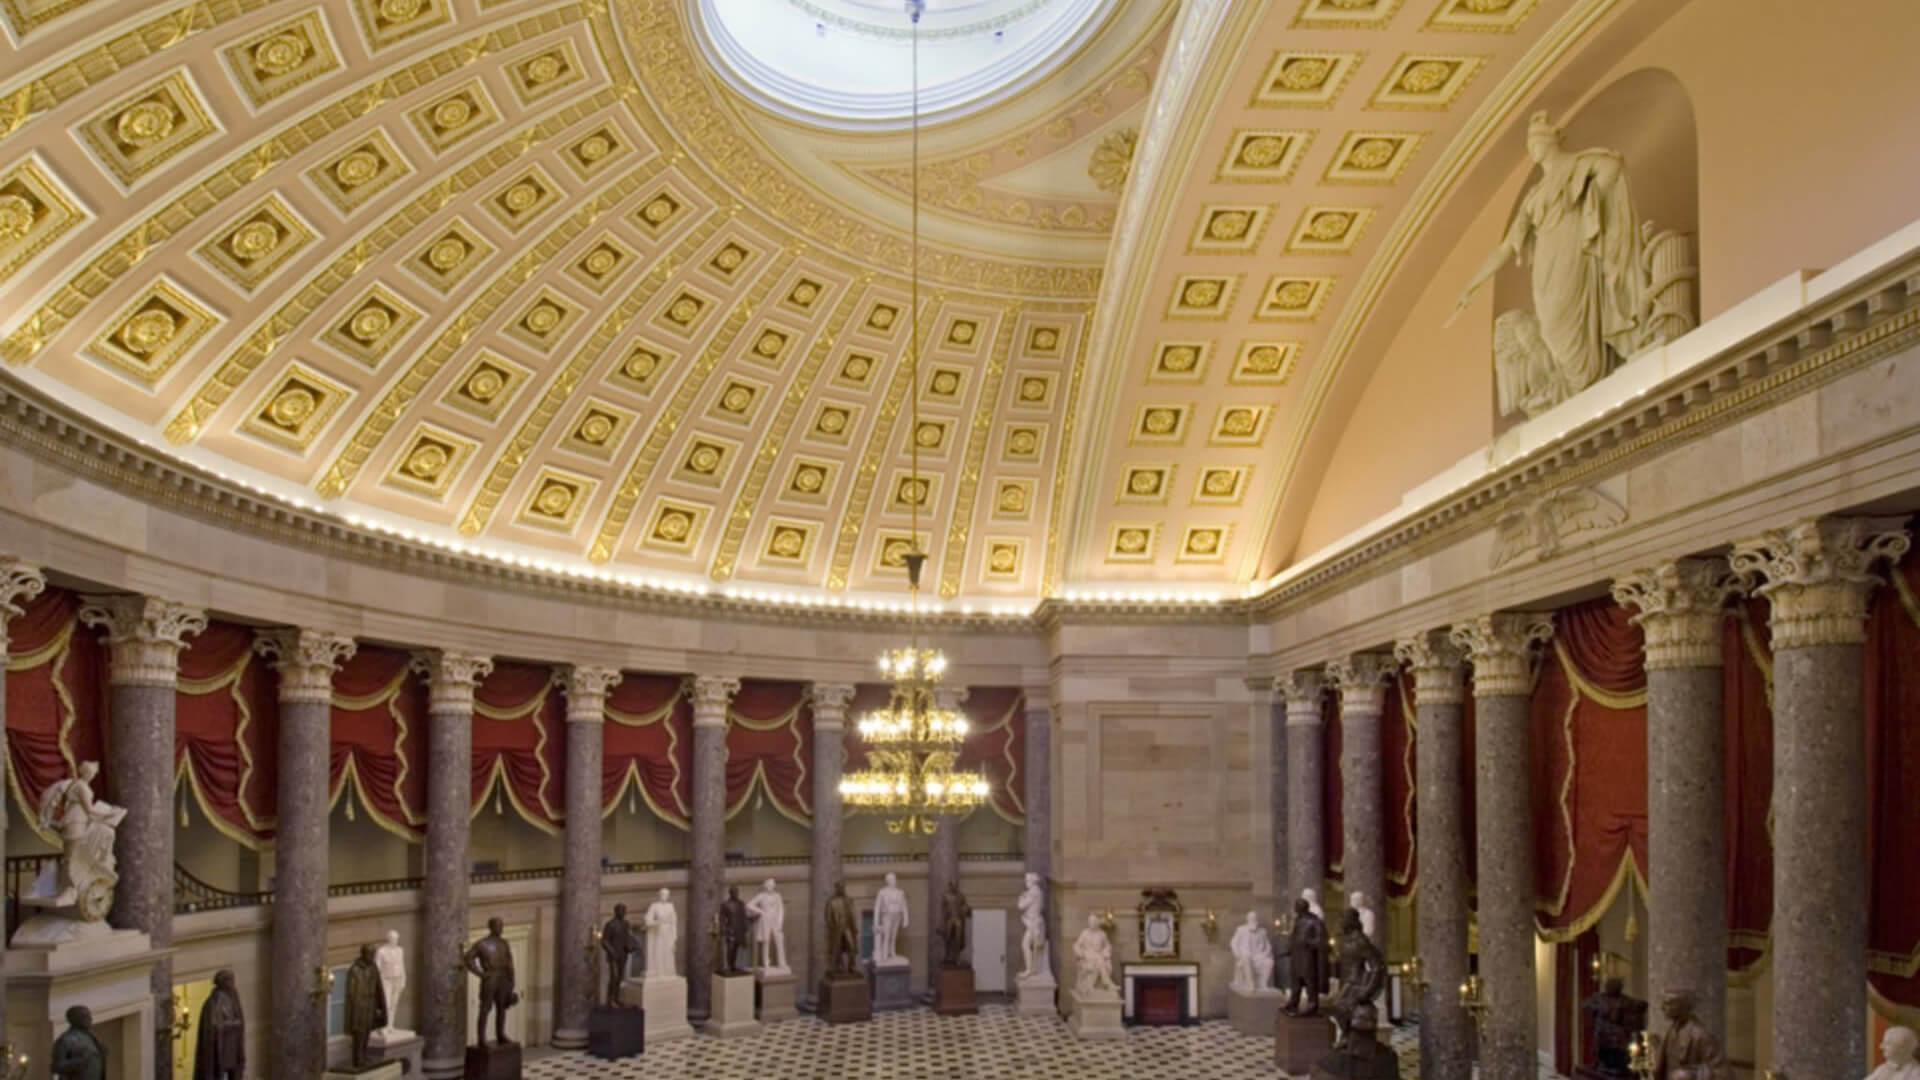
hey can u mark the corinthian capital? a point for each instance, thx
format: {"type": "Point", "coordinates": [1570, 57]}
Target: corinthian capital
{"type": "Point", "coordinates": [19, 582]}
{"type": "Point", "coordinates": [1501, 648]}
{"type": "Point", "coordinates": [587, 689]}
{"type": "Point", "coordinates": [1303, 690]}
{"type": "Point", "coordinates": [1436, 660]}
{"type": "Point", "coordinates": [306, 660]}
{"type": "Point", "coordinates": [451, 676]}
{"type": "Point", "coordinates": [711, 696]}
{"type": "Point", "coordinates": [144, 635]}
{"type": "Point", "coordinates": [1361, 680]}
{"type": "Point", "coordinates": [1679, 605]}
{"type": "Point", "coordinates": [1817, 574]}
{"type": "Point", "coordinates": [830, 698]}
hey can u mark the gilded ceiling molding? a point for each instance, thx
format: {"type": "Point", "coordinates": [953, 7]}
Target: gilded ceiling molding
{"type": "Point", "coordinates": [1056, 548]}
{"type": "Point", "coordinates": [620, 510]}
{"type": "Point", "coordinates": [980, 433]}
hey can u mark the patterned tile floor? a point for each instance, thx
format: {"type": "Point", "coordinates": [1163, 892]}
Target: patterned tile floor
{"type": "Point", "coordinates": [917, 1045]}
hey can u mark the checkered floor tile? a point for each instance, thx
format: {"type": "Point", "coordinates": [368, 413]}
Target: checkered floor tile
{"type": "Point", "coordinates": [917, 1045]}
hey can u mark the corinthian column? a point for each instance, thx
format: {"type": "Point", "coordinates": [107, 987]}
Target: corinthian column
{"type": "Point", "coordinates": [144, 638]}
{"type": "Point", "coordinates": [829, 723]}
{"type": "Point", "coordinates": [1361, 682]}
{"type": "Point", "coordinates": [1817, 575]}
{"type": "Point", "coordinates": [305, 660]}
{"type": "Point", "coordinates": [1440, 803]}
{"type": "Point", "coordinates": [711, 695]}
{"type": "Point", "coordinates": [580, 873]}
{"type": "Point", "coordinates": [1306, 817]}
{"type": "Point", "coordinates": [451, 677]}
{"type": "Point", "coordinates": [1679, 605]}
{"type": "Point", "coordinates": [1501, 649]}
{"type": "Point", "coordinates": [943, 852]}
{"type": "Point", "coordinates": [19, 583]}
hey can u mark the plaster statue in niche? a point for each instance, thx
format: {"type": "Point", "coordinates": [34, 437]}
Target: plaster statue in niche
{"type": "Point", "coordinates": [84, 879]}
{"type": "Point", "coordinates": [663, 933]}
{"type": "Point", "coordinates": [769, 913]}
{"type": "Point", "coordinates": [1033, 938]}
{"type": "Point", "coordinates": [1605, 286]}
{"type": "Point", "coordinates": [1095, 956]}
{"type": "Point", "coordinates": [1688, 1051]}
{"type": "Point", "coordinates": [1897, 1047]}
{"type": "Point", "coordinates": [391, 960]}
{"type": "Point", "coordinates": [1252, 956]}
{"type": "Point", "coordinates": [889, 918]}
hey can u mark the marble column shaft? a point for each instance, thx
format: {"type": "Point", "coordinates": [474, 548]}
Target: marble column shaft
{"type": "Point", "coordinates": [829, 725]}
{"type": "Point", "coordinates": [1679, 606]}
{"type": "Point", "coordinates": [1306, 815]}
{"type": "Point", "coordinates": [711, 696]}
{"type": "Point", "coordinates": [20, 582]}
{"type": "Point", "coordinates": [577, 984]}
{"type": "Point", "coordinates": [305, 661]}
{"type": "Point", "coordinates": [1500, 646]}
{"type": "Point", "coordinates": [1446, 1035]}
{"type": "Point", "coordinates": [1277, 805]}
{"type": "Point", "coordinates": [1037, 795]}
{"type": "Point", "coordinates": [1361, 681]}
{"type": "Point", "coordinates": [451, 678]}
{"type": "Point", "coordinates": [144, 638]}
{"type": "Point", "coordinates": [1817, 577]}
{"type": "Point", "coordinates": [943, 853]}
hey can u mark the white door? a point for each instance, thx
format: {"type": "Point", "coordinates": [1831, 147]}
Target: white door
{"type": "Point", "coordinates": [988, 936]}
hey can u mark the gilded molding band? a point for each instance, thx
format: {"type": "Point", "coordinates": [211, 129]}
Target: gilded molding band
{"type": "Point", "coordinates": [1679, 605]}
{"type": "Point", "coordinates": [1436, 661]}
{"type": "Point", "coordinates": [711, 696]}
{"type": "Point", "coordinates": [305, 660]}
{"type": "Point", "coordinates": [830, 702]}
{"type": "Point", "coordinates": [586, 689]}
{"type": "Point", "coordinates": [1303, 690]}
{"type": "Point", "coordinates": [1817, 574]}
{"type": "Point", "coordinates": [1361, 680]}
{"type": "Point", "coordinates": [451, 677]}
{"type": "Point", "coordinates": [1500, 646]}
{"type": "Point", "coordinates": [144, 635]}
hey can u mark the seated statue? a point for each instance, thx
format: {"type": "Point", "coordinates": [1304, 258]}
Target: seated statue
{"type": "Point", "coordinates": [1897, 1047]}
{"type": "Point", "coordinates": [86, 874]}
{"type": "Point", "coordinates": [1363, 975]}
{"type": "Point", "coordinates": [1252, 956]}
{"type": "Point", "coordinates": [1617, 1017]}
{"type": "Point", "coordinates": [1094, 955]}
{"type": "Point", "coordinates": [1688, 1051]}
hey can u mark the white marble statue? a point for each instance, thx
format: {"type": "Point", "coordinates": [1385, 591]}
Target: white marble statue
{"type": "Point", "coordinates": [1604, 288]}
{"type": "Point", "coordinates": [1312, 897]}
{"type": "Point", "coordinates": [1897, 1046]}
{"type": "Point", "coordinates": [889, 918]}
{"type": "Point", "coordinates": [85, 876]}
{"type": "Point", "coordinates": [769, 914]}
{"type": "Point", "coordinates": [1094, 955]}
{"type": "Point", "coordinates": [1033, 920]}
{"type": "Point", "coordinates": [1369, 919]}
{"type": "Point", "coordinates": [1252, 956]}
{"type": "Point", "coordinates": [662, 924]}
{"type": "Point", "coordinates": [391, 961]}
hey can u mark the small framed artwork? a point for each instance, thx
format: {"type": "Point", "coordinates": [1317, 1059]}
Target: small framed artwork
{"type": "Point", "coordinates": [1159, 924]}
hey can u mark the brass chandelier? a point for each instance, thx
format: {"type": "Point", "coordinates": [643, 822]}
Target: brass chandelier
{"type": "Point", "coordinates": [913, 745]}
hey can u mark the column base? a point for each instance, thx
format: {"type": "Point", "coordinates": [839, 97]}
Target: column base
{"type": "Point", "coordinates": [776, 998]}
{"type": "Point", "coordinates": [569, 1038]}
{"type": "Point", "coordinates": [384, 1070]}
{"type": "Point", "coordinates": [1252, 1012]}
{"type": "Point", "coordinates": [1035, 995]}
{"type": "Point", "coordinates": [732, 1007]}
{"type": "Point", "coordinates": [1096, 1016]}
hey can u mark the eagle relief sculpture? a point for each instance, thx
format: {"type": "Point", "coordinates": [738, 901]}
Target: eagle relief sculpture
{"type": "Point", "coordinates": [1605, 285]}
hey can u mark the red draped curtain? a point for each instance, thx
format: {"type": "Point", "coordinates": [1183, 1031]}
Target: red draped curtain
{"type": "Point", "coordinates": [1397, 754]}
{"type": "Point", "coordinates": [519, 753]}
{"type": "Point", "coordinates": [1893, 817]}
{"type": "Point", "coordinates": [1747, 710]}
{"type": "Point", "coordinates": [226, 731]}
{"type": "Point", "coordinates": [1334, 830]}
{"type": "Point", "coordinates": [647, 748]}
{"type": "Point", "coordinates": [997, 746]}
{"type": "Point", "coordinates": [770, 747]}
{"type": "Point", "coordinates": [379, 740]}
{"type": "Point", "coordinates": [56, 700]}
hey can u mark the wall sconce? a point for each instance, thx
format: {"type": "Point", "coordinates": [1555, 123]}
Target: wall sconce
{"type": "Point", "coordinates": [322, 983]}
{"type": "Point", "coordinates": [1640, 1056]}
{"type": "Point", "coordinates": [16, 1063]}
{"type": "Point", "coordinates": [1606, 965]}
{"type": "Point", "coordinates": [182, 1016]}
{"type": "Point", "coordinates": [1106, 922]}
{"type": "Point", "coordinates": [1473, 998]}
{"type": "Point", "coordinates": [1210, 925]}
{"type": "Point", "coordinates": [1413, 973]}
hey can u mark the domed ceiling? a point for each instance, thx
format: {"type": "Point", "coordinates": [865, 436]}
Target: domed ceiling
{"type": "Point", "coordinates": [562, 283]}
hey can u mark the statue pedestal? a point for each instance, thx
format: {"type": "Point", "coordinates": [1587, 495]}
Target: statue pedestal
{"type": "Point", "coordinates": [1299, 1042]}
{"type": "Point", "coordinates": [663, 998]}
{"type": "Point", "coordinates": [402, 1046]}
{"type": "Point", "coordinates": [494, 1061]}
{"type": "Point", "coordinates": [845, 999]}
{"type": "Point", "coordinates": [1036, 995]}
{"type": "Point", "coordinates": [1367, 1059]}
{"type": "Point", "coordinates": [776, 997]}
{"type": "Point", "coordinates": [892, 986]}
{"type": "Point", "coordinates": [1252, 1012]}
{"type": "Point", "coordinates": [1096, 1016]}
{"type": "Point", "coordinates": [732, 1007]}
{"type": "Point", "coordinates": [380, 1070]}
{"type": "Point", "coordinates": [616, 1031]}
{"type": "Point", "coordinates": [953, 991]}
{"type": "Point", "coordinates": [104, 969]}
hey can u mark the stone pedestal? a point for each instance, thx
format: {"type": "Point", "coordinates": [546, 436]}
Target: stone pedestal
{"type": "Point", "coordinates": [845, 999]}
{"type": "Point", "coordinates": [616, 1031]}
{"type": "Point", "coordinates": [732, 1004]}
{"type": "Point", "coordinates": [1252, 1012]}
{"type": "Point", "coordinates": [1367, 1059]}
{"type": "Point", "coordinates": [105, 970]}
{"type": "Point", "coordinates": [953, 991]}
{"type": "Point", "coordinates": [494, 1061]}
{"type": "Point", "coordinates": [404, 1047]}
{"type": "Point", "coordinates": [664, 1000]}
{"type": "Point", "coordinates": [776, 998]}
{"type": "Point", "coordinates": [1299, 1042]}
{"type": "Point", "coordinates": [892, 986]}
{"type": "Point", "coordinates": [1096, 1016]}
{"type": "Point", "coordinates": [1036, 995]}
{"type": "Point", "coordinates": [385, 1070]}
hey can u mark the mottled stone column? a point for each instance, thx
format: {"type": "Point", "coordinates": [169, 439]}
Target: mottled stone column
{"type": "Point", "coordinates": [1501, 649]}
{"type": "Point", "coordinates": [144, 636]}
{"type": "Point", "coordinates": [829, 725]}
{"type": "Point", "coordinates": [19, 583]}
{"type": "Point", "coordinates": [305, 660]}
{"type": "Point", "coordinates": [711, 695]}
{"type": "Point", "coordinates": [1037, 794]}
{"type": "Point", "coordinates": [580, 874]}
{"type": "Point", "coordinates": [1440, 805]}
{"type": "Point", "coordinates": [1680, 605]}
{"type": "Point", "coordinates": [1360, 680]}
{"type": "Point", "coordinates": [1306, 818]}
{"type": "Point", "coordinates": [1817, 576]}
{"type": "Point", "coordinates": [451, 677]}
{"type": "Point", "coordinates": [943, 853]}
{"type": "Point", "coordinates": [1269, 716]}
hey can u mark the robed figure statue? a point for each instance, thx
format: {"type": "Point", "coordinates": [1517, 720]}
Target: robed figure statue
{"type": "Point", "coordinates": [1307, 959]}
{"type": "Point", "coordinates": [366, 1005]}
{"type": "Point", "coordinates": [616, 944]}
{"type": "Point", "coordinates": [1363, 974]}
{"type": "Point", "coordinates": [220, 1052]}
{"type": "Point", "coordinates": [843, 933]}
{"type": "Point", "coordinates": [86, 873]}
{"type": "Point", "coordinates": [491, 958]}
{"type": "Point", "coordinates": [733, 932]}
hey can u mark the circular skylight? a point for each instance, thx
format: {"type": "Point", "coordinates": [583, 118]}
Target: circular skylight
{"type": "Point", "coordinates": [849, 63]}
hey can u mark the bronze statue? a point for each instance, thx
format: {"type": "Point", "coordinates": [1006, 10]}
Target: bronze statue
{"type": "Point", "coordinates": [1362, 1056]}
{"type": "Point", "coordinates": [733, 932]}
{"type": "Point", "coordinates": [1688, 1051]}
{"type": "Point", "coordinates": [366, 1005]}
{"type": "Point", "coordinates": [1308, 959]}
{"type": "Point", "coordinates": [954, 914]}
{"type": "Point", "coordinates": [220, 1052]}
{"type": "Point", "coordinates": [1617, 1017]}
{"type": "Point", "coordinates": [491, 958]}
{"type": "Point", "coordinates": [843, 932]}
{"type": "Point", "coordinates": [77, 1053]}
{"type": "Point", "coordinates": [1363, 974]}
{"type": "Point", "coordinates": [616, 942]}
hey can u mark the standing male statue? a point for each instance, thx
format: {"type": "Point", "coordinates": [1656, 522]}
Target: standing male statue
{"type": "Point", "coordinates": [769, 913]}
{"type": "Point", "coordinates": [220, 1051]}
{"type": "Point", "coordinates": [616, 944]}
{"type": "Point", "coordinates": [1688, 1051]}
{"type": "Point", "coordinates": [889, 918]}
{"type": "Point", "coordinates": [1308, 959]}
{"type": "Point", "coordinates": [77, 1053]}
{"type": "Point", "coordinates": [733, 932]}
{"type": "Point", "coordinates": [491, 959]}
{"type": "Point", "coordinates": [663, 934]}
{"type": "Point", "coordinates": [1033, 923]}
{"type": "Point", "coordinates": [391, 959]}
{"type": "Point", "coordinates": [954, 915]}
{"type": "Point", "coordinates": [366, 1005]}
{"type": "Point", "coordinates": [843, 933]}
{"type": "Point", "coordinates": [1363, 975]}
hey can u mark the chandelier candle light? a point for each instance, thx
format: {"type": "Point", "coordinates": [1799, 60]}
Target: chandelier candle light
{"type": "Point", "coordinates": [913, 745]}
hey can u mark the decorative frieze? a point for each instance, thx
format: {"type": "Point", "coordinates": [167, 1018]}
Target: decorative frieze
{"type": "Point", "coordinates": [1436, 659]}
{"type": "Point", "coordinates": [711, 696]}
{"type": "Point", "coordinates": [1817, 574]}
{"type": "Point", "coordinates": [1501, 648]}
{"type": "Point", "coordinates": [1361, 680]}
{"type": "Point", "coordinates": [144, 634]}
{"type": "Point", "coordinates": [1679, 606]}
{"type": "Point", "coordinates": [1303, 690]}
{"type": "Point", "coordinates": [587, 689]}
{"type": "Point", "coordinates": [830, 702]}
{"type": "Point", "coordinates": [451, 677]}
{"type": "Point", "coordinates": [305, 661]}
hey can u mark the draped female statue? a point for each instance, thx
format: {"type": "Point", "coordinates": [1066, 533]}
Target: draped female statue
{"type": "Point", "coordinates": [86, 875]}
